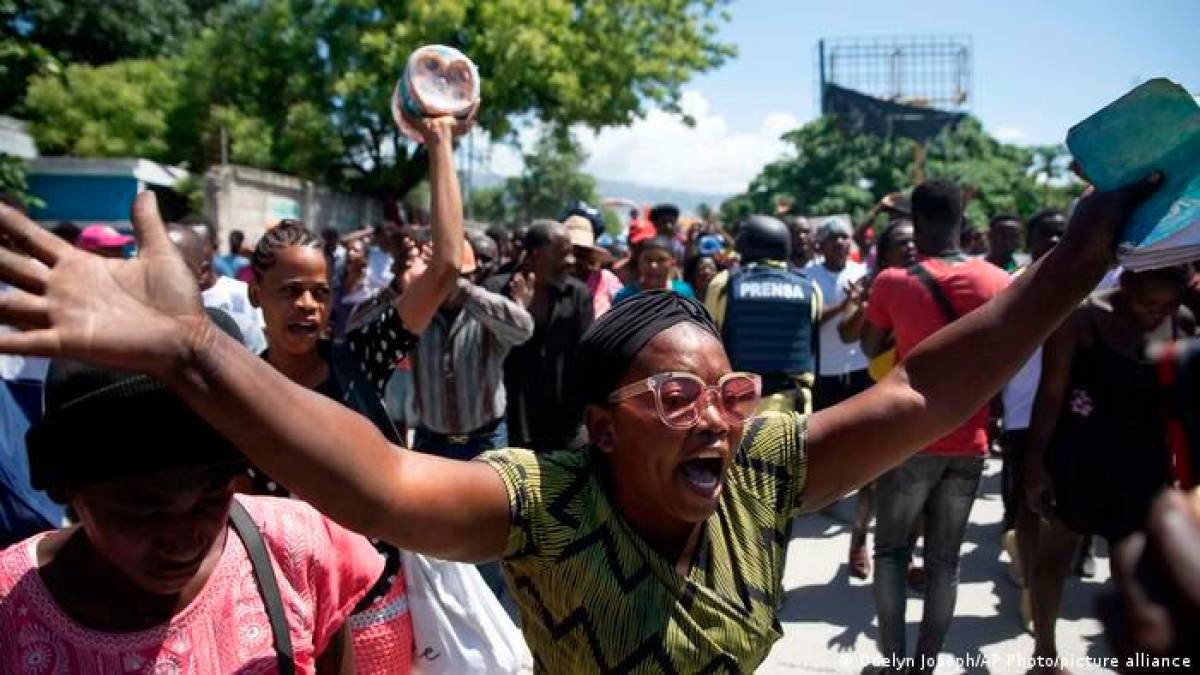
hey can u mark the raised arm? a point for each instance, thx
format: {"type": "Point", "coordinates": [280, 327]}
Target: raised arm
{"type": "Point", "coordinates": [144, 315]}
{"type": "Point", "coordinates": [420, 301]}
{"type": "Point", "coordinates": [1047, 406]}
{"type": "Point", "coordinates": [510, 322]}
{"type": "Point", "coordinates": [957, 370]}
{"type": "Point", "coordinates": [338, 461]}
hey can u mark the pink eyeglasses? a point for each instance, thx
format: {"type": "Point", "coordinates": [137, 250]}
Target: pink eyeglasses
{"type": "Point", "coordinates": [680, 397]}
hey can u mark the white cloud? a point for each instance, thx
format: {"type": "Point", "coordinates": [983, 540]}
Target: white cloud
{"type": "Point", "coordinates": [1010, 135]}
{"type": "Point", "coordinates": [661, 151]}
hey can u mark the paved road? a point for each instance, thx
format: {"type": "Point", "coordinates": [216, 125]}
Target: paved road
{"type": "Point", "coordinates": [829, 619]}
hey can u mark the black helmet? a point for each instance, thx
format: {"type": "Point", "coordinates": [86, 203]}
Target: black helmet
{"type": "Point", "coordinates": [763, 238]}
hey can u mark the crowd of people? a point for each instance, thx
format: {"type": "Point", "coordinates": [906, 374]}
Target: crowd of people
{"type": "Point", "coordinates": [223, 458]}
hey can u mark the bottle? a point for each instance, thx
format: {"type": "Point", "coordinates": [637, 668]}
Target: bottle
{"type": "Point", "coordinates": [437, 80]}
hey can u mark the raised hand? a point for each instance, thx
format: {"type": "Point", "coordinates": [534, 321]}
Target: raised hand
{"type": "Point", "coordinates": [434, 129]}
{"type": "Point", "coordinates": [522, 289]}
{"type": "Point", "coordinates": [137, 315]}
{"type": "Point", "coordinates": [856, 292]}
{"type": "Point", "coordinates": [1098, 218]}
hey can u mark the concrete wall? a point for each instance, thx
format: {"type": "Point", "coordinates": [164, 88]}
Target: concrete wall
{"type": "Point", "coordinates": [252, 200]}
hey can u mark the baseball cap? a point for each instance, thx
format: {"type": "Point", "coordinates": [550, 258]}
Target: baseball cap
{"type": "Point", "coordinates": [95, 237]}
{"type": "Point", "coordinates": [641, 230]}
{"type": "Point", "coordinates": [710, 244]}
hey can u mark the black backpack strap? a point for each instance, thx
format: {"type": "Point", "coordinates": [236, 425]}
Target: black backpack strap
{"type": "Point", "coordinates": [939, 297]}
{"type": "Point", "coordinates": [264, 574]}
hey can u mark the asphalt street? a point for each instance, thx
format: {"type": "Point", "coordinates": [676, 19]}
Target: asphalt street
{"type": "Point", "coordinates": [829, 618]}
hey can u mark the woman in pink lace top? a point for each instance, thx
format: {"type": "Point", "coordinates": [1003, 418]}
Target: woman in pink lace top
{"type": "Point", "coordinates": [153, 579]}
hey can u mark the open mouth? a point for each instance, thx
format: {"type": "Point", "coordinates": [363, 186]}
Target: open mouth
{"type": "Point", "coordinates": [702, 475]}
{"type": "Point", "coordinates": [304, 328]}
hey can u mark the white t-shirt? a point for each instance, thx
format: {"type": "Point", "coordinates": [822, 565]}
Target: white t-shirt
{"type": "Point", "coordinates": [22, 368]}
{"type": "Point", "coordinates": [1019, 393]}
{"type": "Point", "coordinates": [379, 269]}
{"type": "Point", "coordinates": [233, 297]}
{"type": "Point", "coordinates": [837, 357]}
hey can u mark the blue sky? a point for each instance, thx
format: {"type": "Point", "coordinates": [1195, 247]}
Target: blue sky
{"type": "Point", "coordinates": [1038, 68]}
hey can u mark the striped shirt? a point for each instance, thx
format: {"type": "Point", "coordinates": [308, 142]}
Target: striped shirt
{"type": "Point", "coordinates": [458, 365]}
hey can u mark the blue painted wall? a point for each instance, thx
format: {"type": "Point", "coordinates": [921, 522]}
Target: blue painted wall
{"type": "Point", "coordinates": [83, 198]}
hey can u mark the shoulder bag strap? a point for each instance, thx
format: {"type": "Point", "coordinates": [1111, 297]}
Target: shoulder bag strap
{"type": "Point", "coordinates": [264, 574]}
{"type": "Point", "coordinates": [939, 297]}
{"type": "Point", "coordinates": [362, 397]}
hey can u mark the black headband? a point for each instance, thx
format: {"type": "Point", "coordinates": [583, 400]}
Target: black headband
{"type": "Point", "coordinates": [610, 345]}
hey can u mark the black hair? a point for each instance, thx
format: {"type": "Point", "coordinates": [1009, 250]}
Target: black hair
{"type": "Point", "coordinates": [1176, 275]}
{"type": "Point", "coordinates": [668, 212]}
{"type": "Point", "coordinates": [286, 233]}
{"type": "Point", "coordinates": [692, 264]}
{"type": "Point", "coordinates": [1004, 218]}
{"type": "Point", "coordinates": [1041, 217]}
{"type": "Point", "coordinates": [67, 231]}
{"type": "Point", "coordinates": [191, 246]}
{"type": "Point", "coordinates": [884, 243]}
{"type": "Point", "coordinates": [197, 220]}
{"type": "Point", "coordinates": [937, 204]}
{"type": "Point", "coordinates": [659, 242]}
{"type": "Point", "coordinates": [480, 241]}
{"type": "Point", "coordinates": [539, 234]}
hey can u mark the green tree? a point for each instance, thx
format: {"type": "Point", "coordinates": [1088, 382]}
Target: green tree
{"type": "Point", "coordinates": [550, 179]}
{"type": "Point", "coordinates": [118, 110]}
{"type": "Point", "coordinates": [318, 75]}
{"type": "Point", "coordinates": [12, 180]}
{"type": "Point", "coordinates": [38, 36]}
{"type": "Point", "coordinates": [833, 171]}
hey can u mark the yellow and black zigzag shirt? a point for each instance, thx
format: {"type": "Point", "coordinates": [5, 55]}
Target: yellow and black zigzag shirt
{"type": "Point", "coordinates": [595, 598]}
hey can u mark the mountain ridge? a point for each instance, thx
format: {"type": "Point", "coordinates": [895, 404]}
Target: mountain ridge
{"type": "Point", "coordinates": [645, 195]}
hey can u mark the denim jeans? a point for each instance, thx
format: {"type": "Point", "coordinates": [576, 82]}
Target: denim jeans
{"type": "Point", "coordinates": [464, 447]}
{"type": "Point", "coordinates": [943, 488]}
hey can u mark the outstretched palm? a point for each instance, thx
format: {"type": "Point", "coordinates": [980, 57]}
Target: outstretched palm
{"type": "Point", "coordinates": [127, 314]}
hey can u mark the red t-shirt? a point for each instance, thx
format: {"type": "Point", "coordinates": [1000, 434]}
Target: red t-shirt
{"type": "Point", "coordinates": [901, 303]}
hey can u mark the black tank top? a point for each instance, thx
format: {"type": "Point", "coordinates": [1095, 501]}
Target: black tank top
{"type": "Point", "coordinates": [1108, 458]}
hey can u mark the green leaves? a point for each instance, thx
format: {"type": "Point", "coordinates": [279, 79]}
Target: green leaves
{"type": "Point", "coordinates": [12, 181]}
{"type": "Point", "coordinates": [36, 36]}
{"type": "Point", "coordinates": [832, 171]}
{"type": "Point", "coordinates": [551, 178]}
{"type": "Point", "coordinates": [118, 110]}
{"type": "Point", "coordinates": [303, 86]}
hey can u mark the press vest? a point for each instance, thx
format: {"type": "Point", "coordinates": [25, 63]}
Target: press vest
{"type": "Point", "coordinates": [768, 326]}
